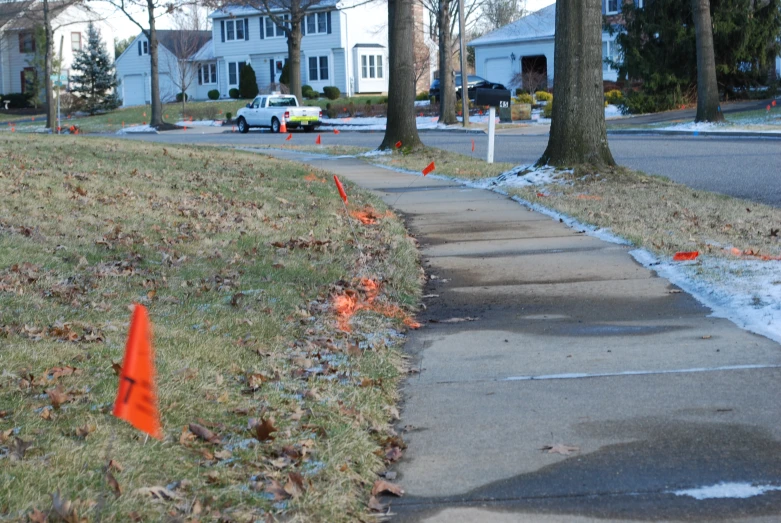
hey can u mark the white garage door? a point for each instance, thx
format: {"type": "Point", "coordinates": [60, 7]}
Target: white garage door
{"type": "Point", "coordinates": [133, 90]}
{"type": "Point", "coordinates": [498, 70]}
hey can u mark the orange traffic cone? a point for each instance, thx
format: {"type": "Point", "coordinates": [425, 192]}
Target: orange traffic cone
{"type": "Point", "coordinates": [283, 126]}
{"type": "Point", "coordinates": [318, 141]}
{"type": "Point", "coordinates": [136, 400]}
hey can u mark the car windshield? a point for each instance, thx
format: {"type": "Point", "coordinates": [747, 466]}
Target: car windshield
{"type": "Point", "coordinates": [282, 101]}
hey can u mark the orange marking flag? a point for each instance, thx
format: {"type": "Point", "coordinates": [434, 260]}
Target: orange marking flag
{"type": "Point", "coordinates": [289, 137]}
{"type": "Point", "coordinates": [340, 187]}
{"type": "Point", "coordinates": [137, 398]}
{"type": "Point", "coordinates": [430, 167]}
{"type": "Point", "coordinates": [336, 131]}
{"type": "Point", "coordinates": [473, 145]}
{"type": "Point", "coordinates": [398, 144]}
{"type": "Point", "coordinates": [685, 256]}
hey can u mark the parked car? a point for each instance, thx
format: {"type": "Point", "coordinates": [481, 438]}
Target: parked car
{"type": "Point", "coordinates": [474, 83]}
{"type": "Point", "coordinates": [268, 110]}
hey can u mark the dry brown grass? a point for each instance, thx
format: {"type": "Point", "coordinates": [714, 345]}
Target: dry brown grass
{"type": "Point", "coordinates": [662, 215]}
{"type": "Point", "coordinates": [447, 163]}
{"type": "Point", "coordinates": [237, 257]}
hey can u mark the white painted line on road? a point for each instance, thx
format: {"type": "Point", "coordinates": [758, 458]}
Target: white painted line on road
{"type": "Point", "coordinates": [575, 376]}
{"type": "Point", "coordinates": [727, 490]}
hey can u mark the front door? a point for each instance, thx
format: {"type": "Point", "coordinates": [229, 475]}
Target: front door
{"type": "Point", "coordinates": [277, 63]}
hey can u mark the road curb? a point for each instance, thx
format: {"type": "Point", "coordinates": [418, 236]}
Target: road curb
{"type": "Point", "coordinates": [728, 134]}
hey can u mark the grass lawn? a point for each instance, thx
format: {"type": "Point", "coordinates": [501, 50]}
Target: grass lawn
{"type": "Point", "coordinates": [271, 403]}
{"type": "Point", "coordinates": [13, 117]}
{"type": "Point", "coordinates": [138, 115]}
{"type": "Point", "coordinates": [661, 215]}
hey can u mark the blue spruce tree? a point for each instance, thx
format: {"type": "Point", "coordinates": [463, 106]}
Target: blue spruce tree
{"type": "Point", "coordinates": [94, 80]}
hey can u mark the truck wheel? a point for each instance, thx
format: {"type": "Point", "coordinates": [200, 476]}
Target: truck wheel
{"type": "Point", "coordinates": [242, 125]}
{"type": "Point", "coordinates": [274, 125]}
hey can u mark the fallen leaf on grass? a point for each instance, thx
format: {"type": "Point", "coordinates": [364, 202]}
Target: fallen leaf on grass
{"type": "Point", "coordinates": [117, 368]}
{"type": "Point", "coordinates": [295, 485]}
{"type": "Point", "coordinates": [58, 397]}
{"type": "Point", "coordinates": [558, 448]}
{"type": "Point", "coordinates": [262, 431]}
{"type": "Point", "coordinates": [223, 454]}
{"type": "Point", "coordinates": [276, 489]}
{"type": "Point", "coordinates": [386, 487]}
{"type": "Point", "coordinates": [83, 432]}
{"type": "Point", "coordinates": [65, 509]}
{"type": "Point", "coordinates": [375, 505]}
{"type": "Point", "coordinates": [113, 483]}
{"type": "Point", "coordinates": [158, 492]}
{"type": "Point", "coordinates": [36, 516]}
{"type": "Point", "coordinates": [18, 448]}
{"type": "Point", "coordinates": [204, 433]}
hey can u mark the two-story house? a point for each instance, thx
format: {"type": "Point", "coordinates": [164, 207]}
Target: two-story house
{"type": "Point", "coordinates": [525, 47]}
{"type": "Point", "coordinates": [184, 60]}
{"type": "Point", "coordinates": [18, 45]}
{"type": "Point", "coordinates": [343, 45]}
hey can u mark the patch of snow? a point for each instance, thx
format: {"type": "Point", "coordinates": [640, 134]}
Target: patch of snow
{"type": "Point", "coordinates": [727, 490]}
{"type": "Point", "coordinates": [374, 153]}
{"type": "Point", "coordinates": [422, 103]}
{"type": "Point", "coordinates": [696, 126]}
{"type": "Point", "coordinates": [514, 177]}
{"type": "Point", "coordinates": [746, 292]}
{"type": "Point", "coordinates": [612, 111]}
{"type": "Point", "coordinates": [201, 123]}
{"type": "Point", "coordinates": [138, 129]}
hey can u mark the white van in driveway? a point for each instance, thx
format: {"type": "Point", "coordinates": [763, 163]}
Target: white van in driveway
{"type": "Point", "coordinates": [268, 110]}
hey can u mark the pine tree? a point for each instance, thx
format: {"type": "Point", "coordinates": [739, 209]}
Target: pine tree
{"type": "Point", "coordinates": [94, 80]}
{"type": "Point", "coordinates": [248, 84]}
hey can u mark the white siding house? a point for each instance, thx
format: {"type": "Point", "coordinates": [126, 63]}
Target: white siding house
{"type": "Point", "coordinates": [527, 45]}
{"type": "Point", "coordinates": [332, 48]}
{"type": "Point", "coordinates": [18, 45]}
{"type": "Point", "coordinates": [134, 68]}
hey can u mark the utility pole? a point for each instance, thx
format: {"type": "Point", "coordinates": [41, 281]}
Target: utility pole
{"type": "Point", "coordinates": [59, 85]}
{"type": "Point", "coordinates": [464, 75]}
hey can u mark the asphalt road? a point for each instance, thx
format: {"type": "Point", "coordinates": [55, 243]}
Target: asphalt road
{"type": "Point", "coordinates": [741, 167]}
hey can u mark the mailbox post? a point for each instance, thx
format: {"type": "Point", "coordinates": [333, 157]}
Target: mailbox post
{"type": "Point", "coordinates": [493, 98]}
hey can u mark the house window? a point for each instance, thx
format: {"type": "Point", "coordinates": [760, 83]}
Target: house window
{"type": "Point", "coordinates": [143, 47]}
{"type": "Point", "coordinates": [371, 66]}
{"type": "Point", "coordinates": [234, 72]}
{"type": "Point", "coordinates": [318, 68]}
{"type": "Point", "coordinates": [234, 29]}
{"type": "Point", "coordinates": [26, 42]}
{"type": "Point", "coordinates": [609, 52]}
{"type": "Point", "coordinates": [316, 23]}
{"type": "Point", "coordinates": [639, 4]}
{"type": "Point", "coordinates": [273, 30]}
{"type": "Point", "coordinates": [75, 42]}
{"type": "Point", "coordinates": [207, 74]}
{"type": "Point", "coordinates": [613, 6]}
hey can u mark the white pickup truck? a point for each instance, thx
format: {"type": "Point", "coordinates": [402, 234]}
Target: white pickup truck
{"type": "Point", "coordinates": [268, 110]}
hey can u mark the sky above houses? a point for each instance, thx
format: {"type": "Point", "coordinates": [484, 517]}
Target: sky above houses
{"type": "Point", "coordinates": [124, 28]}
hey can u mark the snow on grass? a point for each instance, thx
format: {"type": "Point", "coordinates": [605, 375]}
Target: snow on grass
{"type": "Point", "coordinates": [200, 123]}
{"type": "Point", "coordinates": [521, 176]}
{"type": "Point", "coordinates": [138, 129]}
{"type": "Point", "coordinates": [727, 490]}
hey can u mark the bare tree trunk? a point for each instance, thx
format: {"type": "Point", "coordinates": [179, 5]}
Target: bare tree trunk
{"type": "Point", "coordinates": [708, 109]}
{"type": "Point", "coordinates": [447, 87]}
{"type": "Point", "coordinates": [578, 134]}
{"type": "Point", "coordinates": [157, 106]}
{"type": "Point", "coordinates": [401, 126]}
{"type": "Point", "coordinates": [51, 113]}
{"type": "Point", "coordinates": [294, 55]}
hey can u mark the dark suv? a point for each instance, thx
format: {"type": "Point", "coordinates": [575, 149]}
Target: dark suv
{"type": "Point", "coordinates": [474, 83]}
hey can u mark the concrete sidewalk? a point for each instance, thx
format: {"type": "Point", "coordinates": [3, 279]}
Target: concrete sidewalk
{"type": "Point", "coordinates": [569, 342]}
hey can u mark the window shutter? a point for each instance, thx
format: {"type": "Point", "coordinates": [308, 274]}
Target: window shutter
{"type": "Point", "coordinates": [262, 29]}
{"type": "Point", "coordinates": [21, 74]}
{"type": "Point", "coordinates": [139, 48]}
{"type": "Point", "coordinates": [21, 42]}
{"type": "Point", "coordinates": [222, 30]}
{"type": "Point", "coordinates": [328, 15]}
{"type": "Point", "coordinates": [200, 77]}
{"type": "Point", "coordinates": [246, 29]}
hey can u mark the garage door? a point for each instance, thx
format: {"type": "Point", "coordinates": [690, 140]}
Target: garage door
{"type": "Point", "coordinates": [133, 90]}
{"type": "Point", "coordinates": [498, 70]}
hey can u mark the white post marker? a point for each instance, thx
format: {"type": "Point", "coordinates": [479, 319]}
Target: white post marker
{"type": "Point", "coordinates": [491, 129]}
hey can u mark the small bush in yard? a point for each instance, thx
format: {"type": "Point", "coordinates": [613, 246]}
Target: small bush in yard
{"type": "Point", "coordinates": [234, 93]}
{"type": "Point", "coordinates": [330, 111]}
{"type": "Point", "coordinates": [248, 84]}
{"type": "Point", "coordinates": [547, 111]}
{"type": "Point", "coordinates": [543, 96]}
{"type": "Point", "coordinates": [18, 100]}
{"type": "Point", "coordinates": [214, 94]}
{"type": "Point", "coordinates": [306, 90]}
{"type": "Point", "coordinates": [229, 116]}
{"type": "Point", "coordinates": [524, 98]}
{"type": "Point", "coordinates": [331, 92]}
{"type": "Point", "coordinates": [179, 97]}
{"type": "Point", "coordinates": [351, 108]}
{"type": "Point", "coordinates": [614, 97]}
{"type": "Point", "coordinates": [422, 96]}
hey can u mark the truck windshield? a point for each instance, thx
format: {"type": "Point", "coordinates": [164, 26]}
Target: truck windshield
{"type": "Point", "coordinates": [282, 101]}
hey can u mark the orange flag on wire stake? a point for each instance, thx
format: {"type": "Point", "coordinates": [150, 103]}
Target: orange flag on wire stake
{"type": "Point", "coordinates": [430, 167]}
{"type": "Point", "coordinates": [336, 131]}
{"type": "Point", "coordinates": [398, 144]}
{"type": "Point", "coordinates": [137, 398]}
{"type": "Point", "coordinates": [340, 188]}
{"type": "Point", "coordinates": [685, 256]}
{"type": "Point", "coordinates": [289, 137]}
{"type": "Point", "coordinates": [473, 145]}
